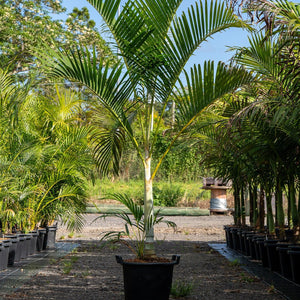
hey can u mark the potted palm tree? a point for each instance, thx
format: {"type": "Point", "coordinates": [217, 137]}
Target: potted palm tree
{"type": "Point", "coordinates": [154, 46]}
{"type": "Point", "coordinates": [154, 274]}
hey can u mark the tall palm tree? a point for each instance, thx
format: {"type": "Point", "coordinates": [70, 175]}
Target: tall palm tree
{"type": "Point", "coordinates": [155, 44]}
{"type": "Point", "coordinates": [267, 128]}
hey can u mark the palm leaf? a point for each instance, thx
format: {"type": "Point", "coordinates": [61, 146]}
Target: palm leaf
{"type": "Point", "coordinates": [205, 86]}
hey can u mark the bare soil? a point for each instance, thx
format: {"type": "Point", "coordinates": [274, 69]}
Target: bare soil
{"type": "Point", "coordinates": [91, 272]}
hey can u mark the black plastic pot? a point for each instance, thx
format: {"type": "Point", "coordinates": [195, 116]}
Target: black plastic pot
{"type": "Point", "coordinates": [246, 242]}
{"type": "Point", "coordinates": [289, 234]}
{"type": "Point", "coordinates": [49, 241]}
{"type": "Point", "coordinates": [148, 281]}
{"type": "Point", "coordinates": [252, 244]}
{"type": "Point", "coordinates": [4, 252]}
{"type": "Point", "coordinates": [273, 256]}
{"type": "Point", "coordinates": [228, 235]}
{"type": "Point", "coordinates": [284, 259]}
{"type": "Point", "coordinates": [263, 253]}
{"type": "Point", "coordinates": [12, 252]}
{"type": "Point", "coordinates": [5, 245]}
{"type": "Point", "coordinates": [40, 239]}
{"type": "Point", "coordinates": [25, 245]}
{"type": "Point", "coordinates": [241, 237]}
{"type": "Point", "coordinates": [22, 247]}
{"type": "Point", "coordinates": [15, 250]}
{"type": "Point", "coordinates": [33, 242]}
{"type": "Point", "coordinates": [235, 239]}
{"type": "Point", "coordinates": [295, 263]}
{"type": "Point", "coordinates": [256, 246]}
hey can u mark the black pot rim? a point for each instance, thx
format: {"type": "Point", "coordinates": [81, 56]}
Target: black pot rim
{"type": "Point", "coordinates": [175, 261]}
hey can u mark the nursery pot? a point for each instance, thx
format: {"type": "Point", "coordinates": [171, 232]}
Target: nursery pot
{"type": "Point", "coordinates": [148, 281]}
{"type": "Point", "coordinates": [40, 239]}
{"type": "Point", "coordinates": [294, 253]}
{"type": "Point", "coordinates": [246, 242]}
{"type": "Point", "coordinates": [284, 259]}
{"type": "Point", "coordinates": [33, 242]}
{"type": "Point", "coordinates": [235, 239]}
{"type": "Point", "coordinates": [251, 242]}
{"type": "Point", "coordinates": [12, 251]}
{"type": "Point", "coordinates": [49, 241]}
{"type": "Point", "coordinates": [228, 236]}
{"type": "Point", "coordinates": [15, 249]}
{"type": "Point", "coordinates": [263, 253]}
{"type": "Point", "coordinates": [241, 237]}
{"type": "Point", "coordinates": [256, 246]}
{"type": "Point", "coordinates": [289, 234]}
{"type": "Point", "coordinates": [25, 245]}
{"type": "Point", "coordinates": [4, 252]}
{"type": "Point", "coordinates": [273, 256]}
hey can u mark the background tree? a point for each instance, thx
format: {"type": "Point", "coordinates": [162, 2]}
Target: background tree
{"type": "Point", "coordinates": [25, 24]}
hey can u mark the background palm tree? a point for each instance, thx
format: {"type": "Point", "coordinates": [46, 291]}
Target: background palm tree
{"type": "Point", "coordinates": [263, 131]}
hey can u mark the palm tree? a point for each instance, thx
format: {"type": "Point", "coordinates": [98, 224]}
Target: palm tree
{"type": "Point", "coordinates": [265, 132]}
{"type": "Point", "coordinates": [155, 44]}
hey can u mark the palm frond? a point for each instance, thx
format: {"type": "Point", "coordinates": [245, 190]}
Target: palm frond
{"type": "Point", "coordinates": [205, 86]}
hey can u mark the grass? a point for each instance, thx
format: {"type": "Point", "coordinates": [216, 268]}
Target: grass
{"type": "Point", "coordinates": [235, 263]}
{"type": "Point", "coordinates": [68, 264]}
{"type": "Point", "coordinates": [71, 235]}
{"type": "Point", "coordinates": [182, 288]}
{"type": "Point", "coordinates": [135, 188]}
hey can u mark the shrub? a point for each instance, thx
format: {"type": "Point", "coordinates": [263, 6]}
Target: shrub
{"type": "Point", "coordinates": [167, 195]}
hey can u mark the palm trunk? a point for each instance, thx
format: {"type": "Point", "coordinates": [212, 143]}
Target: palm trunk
{"type": "Point", "coordinates": [261, 215]}
{"type": "Point", "coordinates": [279, 205]}
{"type": "Point", "coordinates": [243, 209]}
{"type": "Point", "coordinates": [237, 205]}
{"type": "Point", "coordinates": [270, 219]}
{"type": "Point", "coordinates": [292, 202]}
{"type": "Point", "coordinates": [149, 250]}
{"type": "Point", "coordinates": [254, 205]}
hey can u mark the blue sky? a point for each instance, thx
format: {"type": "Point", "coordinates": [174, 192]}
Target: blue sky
{"type": "Point", "coordinates": [214, 49]}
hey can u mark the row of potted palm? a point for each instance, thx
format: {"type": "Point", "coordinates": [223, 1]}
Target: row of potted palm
{"type": "Point", "coordinates": [18, 246]}
{"type": "Point", "coordinates": [44, 158]}
{"type": "Point", "coordinates": [255, 144]}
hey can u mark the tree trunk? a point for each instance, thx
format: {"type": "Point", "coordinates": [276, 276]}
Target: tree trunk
{"type": "Point", "coordinates": [149, 250]}
{"type": "Point", "coordinates": [279, 205]}
{"type": "Point", "coordinates": [270, 219]}
{"type": "Point", "coordinates": [243, 209]}
{"type": "Point", "coordinates": [261, 216]}
{"type": "Point", "coordinates": [173, 114]}
{"type": "Point", "coordinates": [292, 202]}
{"type": "Point", "coordinates": [237, 205]}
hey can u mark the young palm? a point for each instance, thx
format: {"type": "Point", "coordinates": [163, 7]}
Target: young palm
{"type": "Point", "coordinates": [155, 45]}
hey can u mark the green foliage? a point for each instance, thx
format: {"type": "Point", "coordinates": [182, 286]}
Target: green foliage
{"type": "Point", "coordinates": [136, 226]}
{"type": "Point", "coordinates": [44, 158]}
{"type": "Point", "coordinates": [235, 263]}
{"type": "Point", "coordinates": [168, 195]}
{"type": "Point", "coordinates": [182, 288]}
{"type": "Point", "coordinates": [188, 192]}
{"type": "Point", "coordinates": [26, 25]}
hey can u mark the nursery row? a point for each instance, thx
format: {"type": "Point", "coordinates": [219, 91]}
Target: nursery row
{"type": "Point", "coordinates": [15, 247]}
{"type": "Point", "coordinates": [278, 254]}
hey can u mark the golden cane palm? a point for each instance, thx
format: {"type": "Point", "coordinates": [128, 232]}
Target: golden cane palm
{"type": "Point", "coordinates": [154, 45]}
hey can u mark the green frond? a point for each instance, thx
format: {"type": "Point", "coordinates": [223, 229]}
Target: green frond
{"type": "Point", "coordinates": [205, 86]}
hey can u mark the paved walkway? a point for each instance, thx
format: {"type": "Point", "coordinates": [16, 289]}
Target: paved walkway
{"type": "Point", "coordinates": [289, 289]}
{"type": "Point", "coordinates": [14, 277]}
